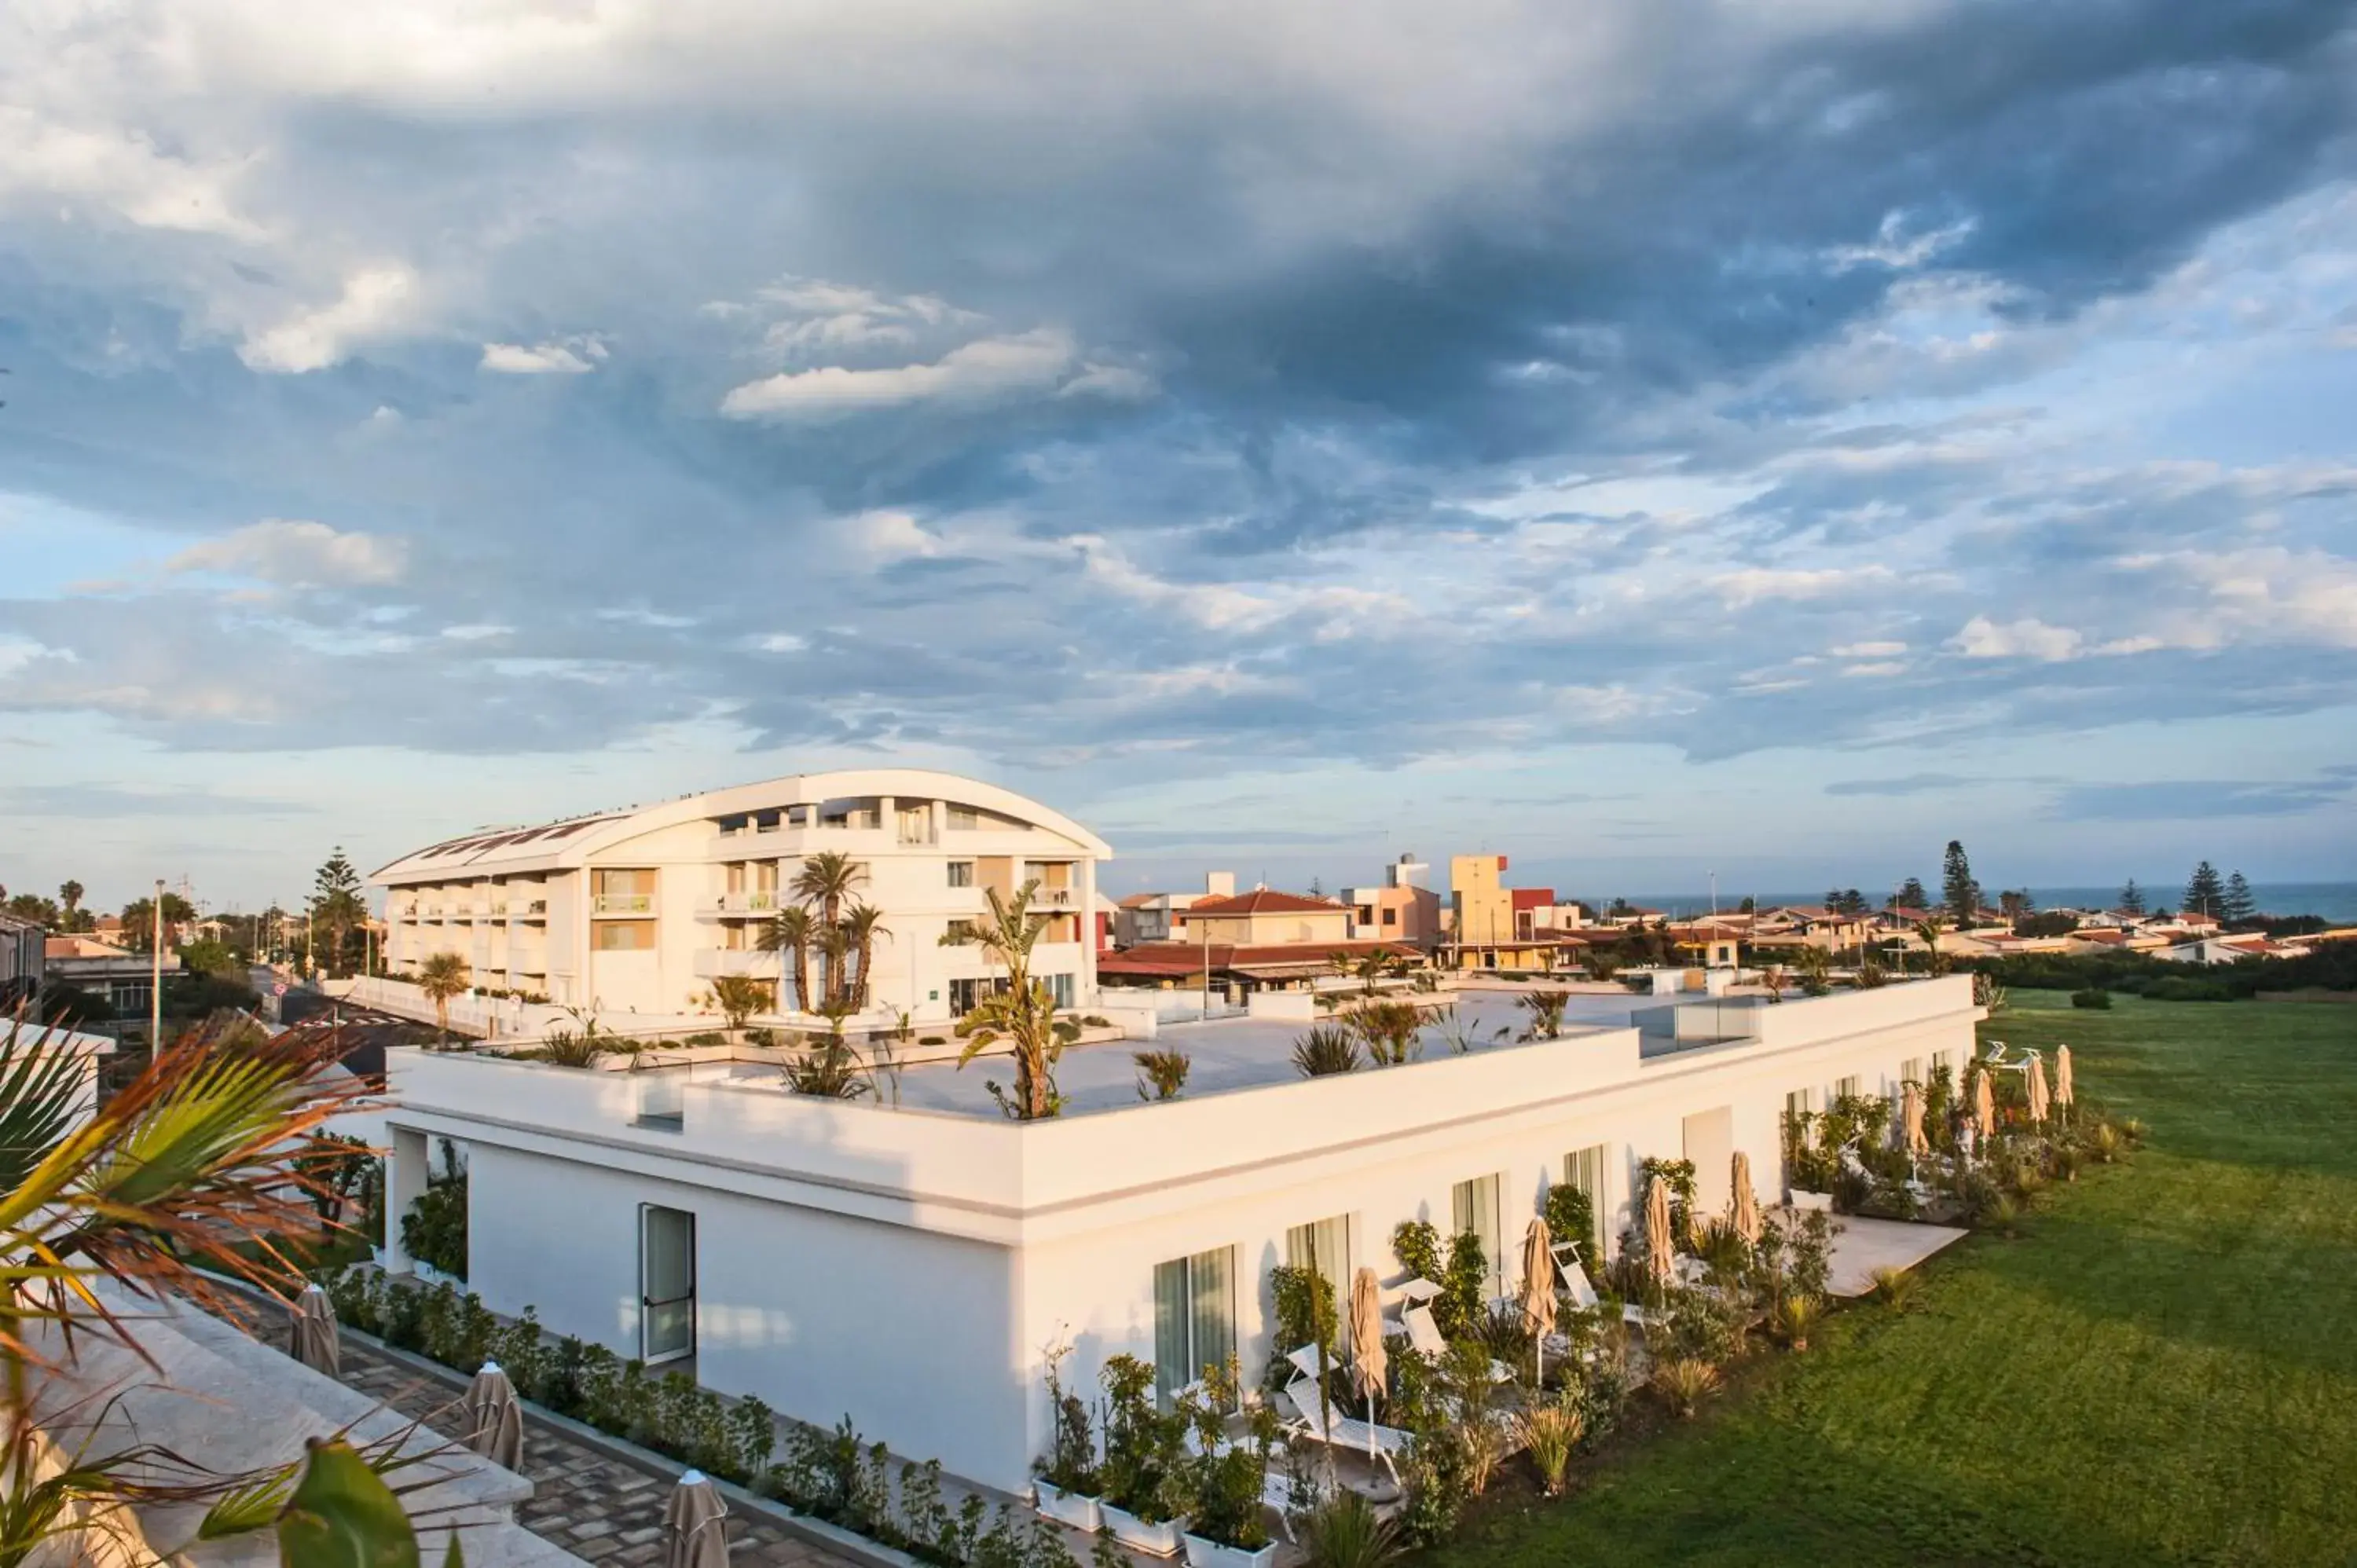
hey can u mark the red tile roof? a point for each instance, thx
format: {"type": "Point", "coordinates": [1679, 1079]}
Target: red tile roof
{"type": "Point", "coordinates": [1267, 901]}
{"type": "Point", "coordinates": [1163, 960]}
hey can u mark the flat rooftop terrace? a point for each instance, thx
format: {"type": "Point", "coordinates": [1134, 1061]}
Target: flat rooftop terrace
{"type": "Point", "coordinates": [1240, 1053]}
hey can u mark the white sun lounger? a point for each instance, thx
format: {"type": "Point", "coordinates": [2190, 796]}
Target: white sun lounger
{"type": "Point", "coordinates": [1425, 1337]}
{"type": "Point", "coordinates": [1317, 1420]}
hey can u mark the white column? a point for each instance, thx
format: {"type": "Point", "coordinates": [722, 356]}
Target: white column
{"type": "Point", "coordinates": [405, 1168]}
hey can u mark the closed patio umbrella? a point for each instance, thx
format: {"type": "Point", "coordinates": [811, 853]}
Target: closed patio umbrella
{"type": "Point", "coordinates": [1538, 1289]}
{"type": "Point", "coordinates": [1368, 1361]}
{"type": "Point", "coordinates": [695, 1528]}
{"type": "Point", "coordinates": [494, 1425]}
{"type": "Point", "coordinates": [1983, 1105]}
{"type": "Point", "coordinates": [1658, 1249]}
{"type": "Point", "coordinates": [2038, 1102]}
{"type": "Point", "coordinates": [1744, 1212]}
{"type": "Point", "coordinates": [312, 1338]}
{"type": "Point", "coordinates": [2063, 1091]}
{"type": "Point", "coordinates": [1910, 1117]}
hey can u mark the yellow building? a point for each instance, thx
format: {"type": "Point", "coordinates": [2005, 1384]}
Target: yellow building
{"type": "Point", "coordinates": [1482, 903]}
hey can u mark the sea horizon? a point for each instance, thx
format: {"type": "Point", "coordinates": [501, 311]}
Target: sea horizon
{"type": "Point", "coordinates": [2335, 902]}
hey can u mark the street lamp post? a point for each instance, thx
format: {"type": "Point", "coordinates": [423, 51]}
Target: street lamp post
{"type": "Point", "coordinates": [156, 971]}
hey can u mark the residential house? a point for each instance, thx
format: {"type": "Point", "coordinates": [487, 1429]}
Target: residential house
{"type": "Point", "coordinates": [125, 979]}
{"type": "Point", "coordinates": [1494, 927]}
{"type": "Point", "coordinates": [22, 962]}
{"type": "Point", "coordinates": [1258, 940]}
{"type": "Point", "coordinates": [1401, 910]}
{"type": "Point", "coordinates": [1162, 916]}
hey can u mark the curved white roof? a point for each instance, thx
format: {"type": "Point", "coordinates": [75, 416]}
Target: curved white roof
{"type": "Point", "coordinates": [570, 842]}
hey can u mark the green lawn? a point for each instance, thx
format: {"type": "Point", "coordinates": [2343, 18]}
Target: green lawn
{"type": "Point", "coordinates": [2162, 1369]}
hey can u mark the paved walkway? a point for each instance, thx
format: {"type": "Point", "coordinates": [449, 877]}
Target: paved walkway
{"type": "Point", "coordinates": [599, 1509]}
{"type": "Point", "coordinates": [1865, 1245]}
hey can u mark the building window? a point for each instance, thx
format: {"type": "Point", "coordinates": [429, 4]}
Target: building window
{"type": "Point", "coordinates": [1323, 1245]}
{"type": "Point", "coordinates": [622, 935]}
{"type": "Point", "coordinates": [1942, 1061]}
{"type": "Point", "coordinates": [1473, 1207]}
{"type": "Point", "coordinates": [1391, 917]}
{"type": "Point", "coordinates": [1590, 1170]}
{"type": "Point", "coordinates": [1194, 1316]}
{"type": "Point", "coordinates": [961, 873]}
{"type": "Point", "coordinates": [964, 817]}
{"type": "Point", "coordinates": [1911, 1071]}
{"type": "Point", "coordinates": [1846, 1088]}
{"type": "Point", "coordinates": [966, 994]}
{"type": "Point", "coordinates": [1060, 986]}
{"type": "Point", "coordinates": [1365, 915]}
{"type": "Point", "coordinates": [1796, 1104]}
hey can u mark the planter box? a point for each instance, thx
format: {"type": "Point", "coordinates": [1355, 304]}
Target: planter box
{"type": "Point", "coordinates": [1206, 1553]}
{"type": "Point", "coordinates": [1068, 1508]}
{"type": "Point", "coordinates": [1803, 1201]}
{"type": "Point", "coordinates": [1155, 1540]}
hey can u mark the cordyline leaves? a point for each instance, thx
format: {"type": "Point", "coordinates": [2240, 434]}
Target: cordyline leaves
{"type": "Point", "coordinates": [189, 1165]}
{"type": "Point", "coordinates": [342, 1515]}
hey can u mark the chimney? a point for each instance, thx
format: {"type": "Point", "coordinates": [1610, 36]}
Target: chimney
{"type": "Point", "coordinates": [1220, 885]}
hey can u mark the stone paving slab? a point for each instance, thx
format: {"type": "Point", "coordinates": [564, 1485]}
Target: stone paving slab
{"type": "Point", "coordinates": [1863, 1245]}
{"type": "Point", "coordinates": [596, 1507]}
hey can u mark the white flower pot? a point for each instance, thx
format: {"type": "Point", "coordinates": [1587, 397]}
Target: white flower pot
{"type": "Point", "coordinates": [1206, 1553]}
{"type": "Point", "coordinates": [1155, 1540]}
{"type": "Point", "coordinates": [1068, 1508]}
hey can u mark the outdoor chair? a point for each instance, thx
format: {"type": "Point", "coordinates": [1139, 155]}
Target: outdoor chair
{"type": "Point", "coordinates": [1317, 1420]}
{"type": "Point", "coordinates": [1423, 1337]}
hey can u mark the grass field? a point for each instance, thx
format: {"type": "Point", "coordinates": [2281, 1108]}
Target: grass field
{"type": "Point", "coordinates": [2161, 1370]}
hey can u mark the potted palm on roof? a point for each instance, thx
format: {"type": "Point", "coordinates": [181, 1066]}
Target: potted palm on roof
{"type": "Point", "coordinates": [1145, 1471]}
{"type": "Point", "coordinates": [1069, 1477]}
{"type": "Point", "coordinates": [1230, 1482]}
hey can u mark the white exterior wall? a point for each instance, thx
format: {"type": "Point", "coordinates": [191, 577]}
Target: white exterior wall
{"type": "Point", "coordinates": [682, 843]}
{"type": "Point", "coordinates": [906, 1267]}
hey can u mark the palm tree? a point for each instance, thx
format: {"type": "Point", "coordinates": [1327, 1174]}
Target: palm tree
{"type": "Point", "coordinates": [442, 977]}
{"type": "Point", "coordinates": [834, 944]}
{"type": "Point", "coordinates": [193, 1170]}
{"type": "Point", "coordinates": [1545, 1008]}
{"type": "Point", "coordinates": [826, 879]}
{"type": "Point", "coordinates": [861, 926]}
{"type": "Point", "coordinates": [739, 997]}
{"type": "Point", "coordinates": [1928, 931]}
{"type": "Point", "coordinates": [1024, 1014]}
{"type": "Point", "coordinates": [1389, 1029]}
{"type": "Point", "coordinates": [1370, 968]}
{"type": "Point", "coordinates": [792, 932]}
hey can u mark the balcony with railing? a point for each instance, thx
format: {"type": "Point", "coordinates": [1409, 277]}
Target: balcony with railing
{"type": "Point", "coordinates": [751, 901]}
{"type": "Point", "coordinates": [531, 909]}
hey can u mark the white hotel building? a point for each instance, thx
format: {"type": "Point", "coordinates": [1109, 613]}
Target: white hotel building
{"type": "Point", "coordinates": [640, 910]}
{"type": "Point", "coordinates": [903, 1259]}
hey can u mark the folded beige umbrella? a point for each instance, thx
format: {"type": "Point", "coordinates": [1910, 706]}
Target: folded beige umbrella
{"type": "Point", "coordinates": [1368, 1361]}
{"type": "Point", "coordinates": [1983, 1105]}
{"type": "Point", "coordinates": [312, 1339]}
{"type": "Point", "coordinates": [1743, 1213]}
{"type": "Point", "coordinates": [2038, 1101]}
{"type": "Point", "coordinates": [1538, 1289]}
{"type": "Point", "coordinates": [695, 1528]}
{"type": "Point", "coordinates": [493, 1422]}
{"type": "Point", "coordinates": [1911, 1116]}
{"type": "Point", "coordinates": [1657, 1247]}
{"type": "Point", "coordinates": [2064, 1091]}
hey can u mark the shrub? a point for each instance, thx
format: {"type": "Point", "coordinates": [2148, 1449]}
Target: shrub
{"type": "Point", "coordinates": [1324, 1051]}
{"type": "Point", "coordinates": [1071, 1462]}
{"type": "Point", "coordinates": [1793, 1318]}
{"type": "Point", "coordinates": [1684, 1382]}
{"type": "Point", "coordinates": [1345, 1532]}
{"type": "Point", "coordinates": [1464, 1287]}
{"type": "Point", "coordinates": [1570, 1214]}
{"type": "Point", "coordinates": [1143, 1471]}
{"type": "Point", "coordinates": [434, 1231]}
{"type": "Point", "coordinates": [1897, 1289]}
{"type": "Point", "coordinates": [1161, 1074]}
{"type": "Point", "coordinates": [1551, 1434]}
{"type": "Point", "coordinates": [2092, 997]}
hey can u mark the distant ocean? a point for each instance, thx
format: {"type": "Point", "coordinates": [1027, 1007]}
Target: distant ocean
{"type": "Point", "coordinates": [2335, 901]}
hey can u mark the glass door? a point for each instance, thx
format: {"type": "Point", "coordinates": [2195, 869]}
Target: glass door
{"type": "Point", "coordinates": [666, 1284]}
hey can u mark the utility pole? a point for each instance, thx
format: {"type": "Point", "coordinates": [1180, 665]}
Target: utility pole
{"type": "Point", "coordinates": [155, 974]}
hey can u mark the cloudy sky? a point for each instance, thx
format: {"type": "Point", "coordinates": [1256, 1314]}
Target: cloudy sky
{"type": "Point", "coordinates": [1645, 437]}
